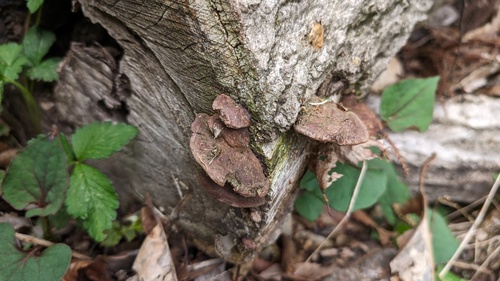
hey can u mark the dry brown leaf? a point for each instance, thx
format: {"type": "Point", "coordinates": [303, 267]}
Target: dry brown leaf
{"type": "Point", "coordinates": [415, 262]}
{"type": "Point", "coordinates": [154, 260]}
{"type": "Point", "coordinates": [92, 270]}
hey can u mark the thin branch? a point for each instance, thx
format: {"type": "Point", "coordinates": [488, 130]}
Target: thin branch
{"type": "Point", "coordinates": [347, 214]}
{"type": "Point", "coordinates": [42, 242]}
{"type": "Point", "coordinates": [473, 228]}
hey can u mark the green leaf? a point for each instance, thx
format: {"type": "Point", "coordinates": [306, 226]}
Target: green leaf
{"type": "Point", "coordinates": [34, 5]}
{"type": "Point", "coordinates": [444, 244]}
{"type": "Point", "coordinates": [409, 103]}
{"type": "Point", "coordinates": [309, 181]}
{"type": "Point", "coordinates": [113, 235]}
{"type": "Point", "coordinates": [38, 177]}
{"type": "Point", "coordinates": [67, 147]}
{"type": "Point", "coordinates": [308, 205]}
{"type": "Point", "coordinates": [37, 43]}
{"type": "Point", "coordinates": [91, 197]}
{"type": "Point", "coordinates": [12, 60]}
{"type": "Point", "coordinates": [373, 186]}
{"type": "Point", "coordinates": [100, 140]}
{"type": "Point", "coordinates": [46, 71]}
{"type": "Point", "coordinates": [396, 191]}
{"type": "Point", "coordinates": [16, 264]}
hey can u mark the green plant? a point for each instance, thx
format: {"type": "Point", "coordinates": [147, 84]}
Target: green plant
{"type": "Point", "coordinates": [381, 185]}
{"type": "Point", "coordinates": [128, 230]}
{"type": "Point", "coordinates": [31, 263]}
{"type": "Point", "coordinates": [409, 103]}
{"type": "Point", "coordinates": [22, 64]}
{"type": "Point", "coordinates": [37, 179]}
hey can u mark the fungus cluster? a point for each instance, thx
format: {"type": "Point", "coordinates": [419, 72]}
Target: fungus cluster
{"type": "Point", "coordinates": [220, 145]}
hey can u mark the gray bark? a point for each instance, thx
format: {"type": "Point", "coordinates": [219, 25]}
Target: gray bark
{"type": "Point", "coordinates": [178, 56]}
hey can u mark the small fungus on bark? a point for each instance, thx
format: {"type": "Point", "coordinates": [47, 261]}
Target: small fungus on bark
{"type": "Point", "coordinates": [327, 122]}
{"type": "Point", "coordinates": [232, 114]}
{"type": "Point", "coordinates": [225, 156]}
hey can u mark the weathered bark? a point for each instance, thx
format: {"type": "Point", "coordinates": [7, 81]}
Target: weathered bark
{"type": "Point", "coordinates": [178, 56]}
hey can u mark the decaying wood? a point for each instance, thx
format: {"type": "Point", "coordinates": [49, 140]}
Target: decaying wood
{"type": "Point", "coordinates": [464, 135]}
{"type": "Point", "coordinates": [178, 56]}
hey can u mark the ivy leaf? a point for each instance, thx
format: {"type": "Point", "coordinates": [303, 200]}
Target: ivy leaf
{"type": "Point", "coordinates": [46, 71]}
{"type": "Point", "coordinates": [101, 139]}
{"type": "Point", "coordinates": [409, 103]}
{"type": "Point", "coordinates": [340, 192]}
{"type": "Point", "coordinates": [444, 244]}
{"type": "Point", "coordinates": [37, 43]}
{"type": "Point", "coordinates": [12, 60]}
{"type": "Point", "coordinates": [30, 265]}
{"type": "Point", "coordinates": [396, 191]}
{"type": "Point", "coordinates": [309, 181]}
{"type": "Point", "coordinates": [91, 197]}
{"type": "Point", "coordinates": [38, 176]}
{"type": "Point", "coordinates": [309, 205]}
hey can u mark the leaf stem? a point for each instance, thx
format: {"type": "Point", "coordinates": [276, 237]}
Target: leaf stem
{"type": "Point", "coordinates": [30, 103]}
{"type": "Point", "coordinates": [47, 230]}
{"type": "Point", "coordinates": [38, 16]}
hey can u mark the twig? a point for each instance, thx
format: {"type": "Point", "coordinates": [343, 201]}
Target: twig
{"type": "Point", "coordinates": [396, 152]}
{"type": "Point", "coordinates": [42, 242]}
{"type": "Point", "coordinates": [425, 167]}
{"type": "Point", "coordinates": [483, 266]}
{"type": "Point", "coordinates": [473, 228]}
{"type": "Point", "coordinates": [347, 214]}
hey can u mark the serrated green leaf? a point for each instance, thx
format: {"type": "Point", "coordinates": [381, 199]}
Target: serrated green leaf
{"type": "Point", "coordinates": [91, 197]}
{"type": "Point", "coordinates": [101, 139]}
{"type": "Point", "coordinates": [37, 176]}
{"type": "Point", "coordinates": [409, 103]}
{"type": "Point", "coordinates": [46, 71]}
{"type": "Point", "coordinates": [12, 60]}
{"type": "Point", "coordinates": [30, 265]}
{"type": "Point", "coordinates": [308, 205]}
{"type": "Point", "coordinates": [34, 5]}
{"type": "Point", "coordinates": [340, 192]}
{"type": "Point", "coordinates": [36, 44]}
{"type": "Point", "coordinates": [444, 244]}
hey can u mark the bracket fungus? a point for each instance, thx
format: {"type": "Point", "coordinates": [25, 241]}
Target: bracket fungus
{"type": "Point", "coordinates": [232, 114]}
{"type": "Point", "coordinates": [327, 122]}
{"type": "Point", "coordinates": [224, 154]}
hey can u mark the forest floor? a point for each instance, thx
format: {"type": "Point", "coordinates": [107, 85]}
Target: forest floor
{"type": "Point", "coordinates": [461, 45]}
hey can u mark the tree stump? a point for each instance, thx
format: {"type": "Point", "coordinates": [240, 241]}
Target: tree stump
{"type": "Point", "coordinates": [269, 56]}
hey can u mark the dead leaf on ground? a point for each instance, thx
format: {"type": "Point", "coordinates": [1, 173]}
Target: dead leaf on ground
{"type": "Point", "coordinates": [154, 260]}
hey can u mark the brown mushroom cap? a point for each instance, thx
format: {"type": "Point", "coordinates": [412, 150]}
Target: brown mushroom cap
{"type": "Point", "coordinates": [226, 195]}
{"type": "Point", "coordinates": [364, 113]}
{"type": "Point", "coordinates": [224, 163]}
{"type": "Point", "coordinates": [232, 114]}
{"type": "Point", "coordinates": [328, 123]}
